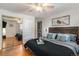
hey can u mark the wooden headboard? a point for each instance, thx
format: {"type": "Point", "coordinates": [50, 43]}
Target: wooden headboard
{"type": "Point", "coordinates": [70, 30]}
{"type": "Point", "coordinates": [66, 30]}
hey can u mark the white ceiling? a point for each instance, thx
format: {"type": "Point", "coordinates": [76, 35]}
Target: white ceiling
{"type": "Point", "coordinates": [23, 8]}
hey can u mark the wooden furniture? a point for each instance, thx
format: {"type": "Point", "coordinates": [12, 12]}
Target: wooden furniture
{"type": "Point", "coordinates": [49, 48]}
{"type": "Point", "coordinates": [4, 36]}
{"type": "Point", "coordinates": [19, 36]}
{"type": "Point", "coordinates": [66, 30]}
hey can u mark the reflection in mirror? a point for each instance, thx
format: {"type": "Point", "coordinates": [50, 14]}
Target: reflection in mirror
{"type": "Point", "coordinates": [12, 31]}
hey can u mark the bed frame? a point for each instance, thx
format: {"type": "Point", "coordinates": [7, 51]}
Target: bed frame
{"type": "Point", "coordinates": [49, 48]}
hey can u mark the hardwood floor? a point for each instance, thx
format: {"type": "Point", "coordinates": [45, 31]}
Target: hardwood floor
{"type": "Point", "coordinates": [16, 51]}
{"type": "Point", "coordinates": [10, 41]}
{"type": "Point", "coordinates": [13, 47]}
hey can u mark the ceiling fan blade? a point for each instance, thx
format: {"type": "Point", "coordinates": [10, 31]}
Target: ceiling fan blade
{"type": "Point", "coordinates": [23, 8]}
{"type": "Point", "coordinates": [30, 10]}
{"type": "Point", "coordinates": [50, 6]}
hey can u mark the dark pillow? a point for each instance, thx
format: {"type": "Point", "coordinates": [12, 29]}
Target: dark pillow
{"type": "Point", "coordinates": [56, 36]}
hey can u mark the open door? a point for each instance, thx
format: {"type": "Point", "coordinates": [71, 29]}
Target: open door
{"type": "Point", "coordinates": [39, 28]}
{"type": "Point", "coordinates": [12, 32]}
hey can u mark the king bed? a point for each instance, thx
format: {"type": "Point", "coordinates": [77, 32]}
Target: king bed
{"type": "Point", "coordinates": [54, 46]}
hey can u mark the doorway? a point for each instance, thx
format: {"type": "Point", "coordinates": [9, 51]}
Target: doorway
{"type": "Point", "coordinates": [12, 31]}
{"type": "Point", "coordinates": [39, 29]}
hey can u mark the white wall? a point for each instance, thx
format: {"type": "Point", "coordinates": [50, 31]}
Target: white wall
{"type": "Point", "coordinates": [74, 19]}
{"type": "Point", "coordinates": [0, 32]}
{"type": "Point", "coordinates": [12, 30]}
{"type": "Point", "coordinates": [28, 24]}
{"type": "Point", "coordinates": [28, 28]}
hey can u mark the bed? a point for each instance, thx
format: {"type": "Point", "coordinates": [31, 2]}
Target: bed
{"type": "Point", "coordinates": [54, 47]}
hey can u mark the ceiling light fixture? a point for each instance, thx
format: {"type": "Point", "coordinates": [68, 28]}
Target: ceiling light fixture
{"type": "Point", "coordinates": [41, 6]}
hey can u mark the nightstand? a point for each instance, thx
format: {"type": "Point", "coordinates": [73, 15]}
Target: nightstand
{"type": "Point", "coordinates": [77, 41]}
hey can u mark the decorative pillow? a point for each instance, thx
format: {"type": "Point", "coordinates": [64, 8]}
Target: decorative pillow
{"type": "Point", "coordinates": [66, 37]}
{"type": "Point", "coordinates": [73, 37]}
{"type": "Point", "coordinates": [54, 35]}
{"type": "Point", "coordinates": [49, 36]}
{"type": "Point", "coordinates": [61, 37]}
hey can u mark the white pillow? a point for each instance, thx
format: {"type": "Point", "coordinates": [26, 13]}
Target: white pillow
{"type": "Point", "coordinates": [54, 35]}
{"type": "Point", "coordinates": [49, 36]}
{"type": "Point", "coordinates": [61, 37]}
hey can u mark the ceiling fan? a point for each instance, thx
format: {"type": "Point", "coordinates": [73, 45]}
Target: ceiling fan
{"type": "Point", "coordinates": [39, 7]}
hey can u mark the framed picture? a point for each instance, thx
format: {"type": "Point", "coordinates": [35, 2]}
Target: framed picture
{"type": "Point", "coordinates": [11, 25]}
{"type": "Point", "coordinates": [64, 20]}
